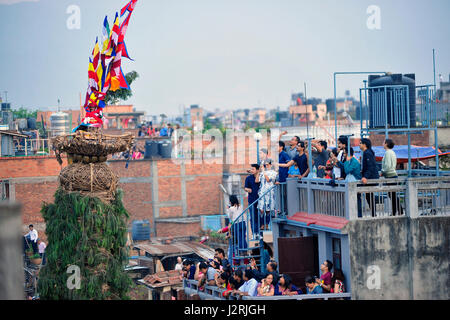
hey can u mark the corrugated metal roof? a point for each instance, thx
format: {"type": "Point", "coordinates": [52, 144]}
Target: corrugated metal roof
{"type": "Point", "coordinates": [13, 133]}
{"type": "Point", "coordinates": [182, 247]}
{"type": "Point", "coordinates": [320, 219]}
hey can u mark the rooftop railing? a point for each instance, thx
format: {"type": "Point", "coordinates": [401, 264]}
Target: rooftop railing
{"type": "Point", "coordinates": [414, 197]}
{"type": "Point", "coordinates": [215, 293]}
{"type": "Point", "coordinates": [246, 234]}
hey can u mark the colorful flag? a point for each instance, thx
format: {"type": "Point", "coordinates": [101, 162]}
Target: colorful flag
{"type": "Point", "coordinates": [129, 7]}
{"type": "Point", "coordinates": [105, 66]}
{"type": "Point", "coordinates": [106, 34]}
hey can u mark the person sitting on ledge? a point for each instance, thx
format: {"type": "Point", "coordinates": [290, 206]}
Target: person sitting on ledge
{"type": "Point", "coordinates": [312, 286]}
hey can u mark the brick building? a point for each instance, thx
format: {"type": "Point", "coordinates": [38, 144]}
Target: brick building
{"type": "Point", "coordinates": [172, 196]}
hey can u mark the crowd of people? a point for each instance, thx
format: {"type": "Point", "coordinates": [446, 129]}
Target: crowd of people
{"type": "Point", "coordinates": [166, 130]}
{"type": "Point", "coordinates": [293, 162]}
{"type": "Point", "coordinates": [336, 164]}
{"type": "Point", "coordinates": [339, 164]}
{"type": "Point", "coordinates": [249, 280]}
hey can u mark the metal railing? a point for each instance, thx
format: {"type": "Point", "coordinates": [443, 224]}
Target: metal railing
{"type": "Point", "coordinates": [413, 197]}
{"type": "Point", "coordinates": [34, 147]}
{"type": "Point", "coordinates": [378, 198]}
{"type": "Point", "coordinates": [319, 196]}
{"type": "Point", "coordinates": [247, 229]}
{"type": "Point", "coordinates": [215, 293]}
{"type": "Point", "coordinates": [324, 296]}
{"type": "Point", "coordinates": [433, 196]}
{"type": "Point", "coordinates": [208, 292]}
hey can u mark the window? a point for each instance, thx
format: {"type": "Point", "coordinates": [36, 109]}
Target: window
{"type": "Point", "coordinates": [4, 187]}
{"type": "Point", "coordinates": [337, 254]}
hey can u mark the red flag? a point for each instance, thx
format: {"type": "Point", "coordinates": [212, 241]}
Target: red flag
{"type": "Point", "coordinates": [129, 7]}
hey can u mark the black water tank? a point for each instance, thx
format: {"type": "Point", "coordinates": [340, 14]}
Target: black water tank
{"type": "Point", "coordinates": [151, 149]}
{"type": "Point", "coordinates": [31, 123]}
{"type": "Point", "coordinates": [165, 149]}
{"type": "Point", "coordinates": [393, 119]}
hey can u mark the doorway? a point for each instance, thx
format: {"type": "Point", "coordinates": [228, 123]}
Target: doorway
{"type": "Point", "coordinates": [298, 257]}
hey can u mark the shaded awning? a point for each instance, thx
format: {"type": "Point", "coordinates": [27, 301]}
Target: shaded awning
{"type": "Point", "coordinates": [401, 151]}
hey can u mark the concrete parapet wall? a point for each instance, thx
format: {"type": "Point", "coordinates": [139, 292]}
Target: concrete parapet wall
{"type": "Point", "coordinates": [400, 258]}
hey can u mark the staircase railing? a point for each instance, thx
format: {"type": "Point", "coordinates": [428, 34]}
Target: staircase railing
{"type": "Point", "coordinates": [246, 230]}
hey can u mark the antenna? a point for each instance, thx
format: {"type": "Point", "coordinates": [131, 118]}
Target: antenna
{"type": "Point", "coordinates": [306, 110]}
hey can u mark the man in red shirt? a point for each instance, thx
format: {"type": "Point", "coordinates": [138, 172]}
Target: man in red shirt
{"type": "Point", "coordinates": [325, 278]}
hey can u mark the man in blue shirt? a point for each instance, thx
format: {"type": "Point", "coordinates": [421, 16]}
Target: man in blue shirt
{"type": "Point", "coordinates": [208, 277]}
{"type": "Point", "coordinates": [190, 268]}
{"type": "Point", "coordinates": [301, 159]}
{"type": "Point", "coordinates": [312, 287]}
{"type": "Point", "coordinates": [252, 187]}
{"type": "Point", "coordinates": [164, 132]}
{"type": "Point", "coordinates": [283, 157]}
{"type": "Point", "coordinates": [249, 288]}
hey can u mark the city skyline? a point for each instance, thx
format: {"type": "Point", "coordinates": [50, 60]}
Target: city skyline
{"type": "Point", "coordinates": [227, 55]}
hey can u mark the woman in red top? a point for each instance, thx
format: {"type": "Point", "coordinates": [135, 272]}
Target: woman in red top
{"type": "Point", "coordinates": [338, 282]}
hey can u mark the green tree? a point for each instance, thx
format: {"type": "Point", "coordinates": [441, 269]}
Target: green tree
{"type": "Point", "coordinates": [85, 232]}
{"type": "Point", "coordinates": [113, 97]}
{"type": "Point", "coordinates": [24, 113]}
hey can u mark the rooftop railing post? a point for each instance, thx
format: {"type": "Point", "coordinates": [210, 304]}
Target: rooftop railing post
{"type": "Point", "coordinates": [292, 191]}
{"type": "Point", "coordinates": [310, 197]}
{"type": "Point", "coordinates": [412, 204]}
{"type": "Point", "coordinates": [351, 212]}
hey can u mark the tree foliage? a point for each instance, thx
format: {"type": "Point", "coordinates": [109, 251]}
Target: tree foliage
{"type": "Point", "coordinates": [113, 97]}
{"type": "Point", "coordinates": [24, 113]}
{"type": "Point", "coordinates": [85, 232]}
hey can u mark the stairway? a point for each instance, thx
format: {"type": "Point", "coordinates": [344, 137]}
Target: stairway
{"type": "Point", "coordinates": [244, 244]}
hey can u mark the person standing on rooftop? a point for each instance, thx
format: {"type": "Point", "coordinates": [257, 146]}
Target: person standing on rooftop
{"type": "Point", "coordinates": [291, 149]}
{"type": "Point", "coordinates": [388, 170]}
{"type": "Point", "coordinates": [368, 171]}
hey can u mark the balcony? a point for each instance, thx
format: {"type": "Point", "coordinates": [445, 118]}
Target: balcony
{"type": "Point", "coordinates": [418, 196]}
{"type": "Point", "coordinates": [191, 290]}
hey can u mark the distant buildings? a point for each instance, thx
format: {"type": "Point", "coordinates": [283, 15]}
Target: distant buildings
{"type": "Point", "coordinates": [443, 93]}
{"type": "Point", "coordinates": [122, 117]}
{"type": "Point", "coordinates": [118, 117]}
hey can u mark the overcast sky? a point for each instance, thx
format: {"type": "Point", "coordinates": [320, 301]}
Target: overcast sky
{"type": "Point", "coordinates": [224, 54]}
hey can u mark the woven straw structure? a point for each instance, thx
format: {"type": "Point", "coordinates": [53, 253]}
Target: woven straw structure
{"type": "Point", "coordinates": [92, 144]}
{"type": "Point", "coordinates": [87, 172]}
{"type": "Point", "coordinates": [94, 179]}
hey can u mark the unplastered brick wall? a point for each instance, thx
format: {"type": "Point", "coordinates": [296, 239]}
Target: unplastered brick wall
{"type": "Point", "coordinates": [29, 167]}
{"type": "Point", "coordinates": [422, 139]}
{"type": "Point", "coordinates": [165, 229]}
{"type": "Point", "coordinates": [152, 190]}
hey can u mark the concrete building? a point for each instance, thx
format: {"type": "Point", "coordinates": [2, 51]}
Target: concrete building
{"type": "Point", "coordinates": [443, 93]}
{"type": "Point", "coordinates": [193, 117]}
{"type": "Point", "coordinates": [257, 114]}
{"type": "Point", "coordinates": [122, 116]}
